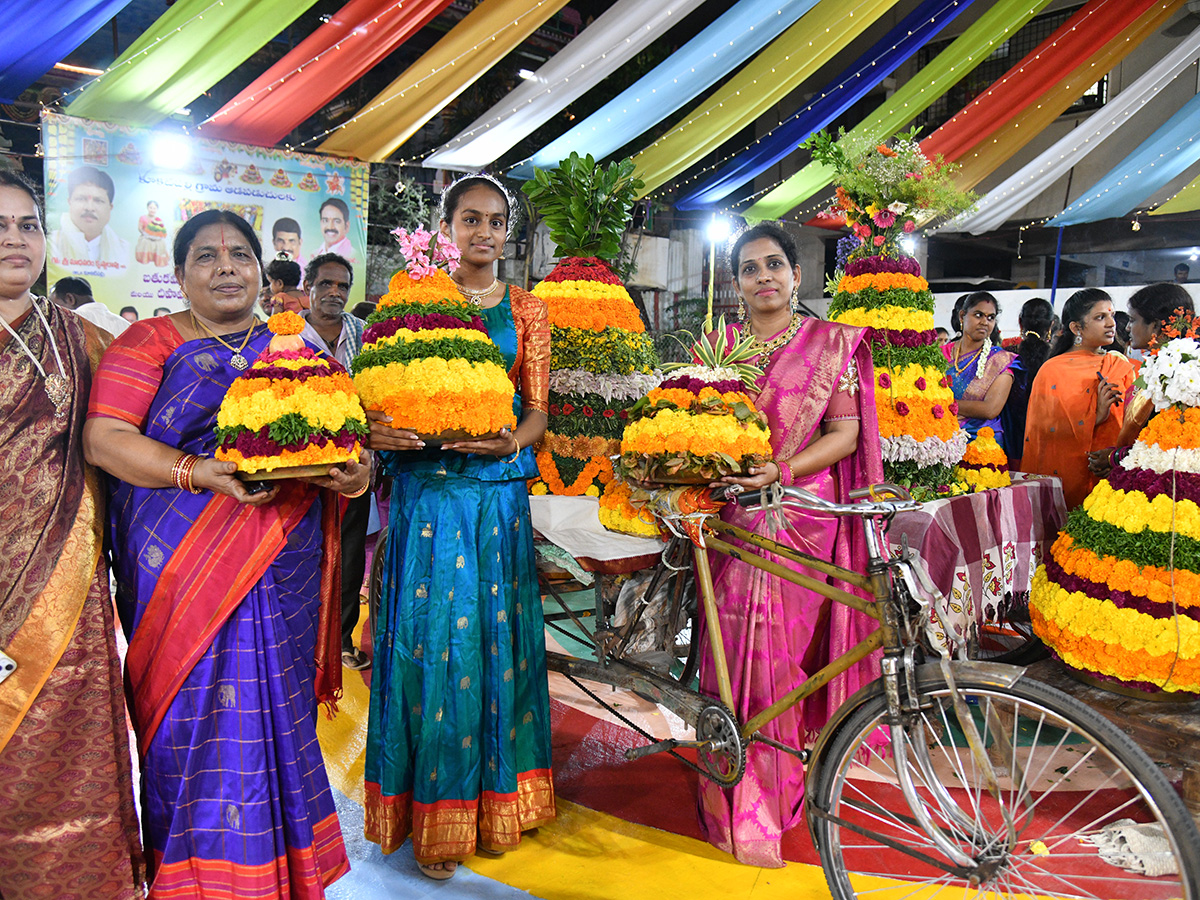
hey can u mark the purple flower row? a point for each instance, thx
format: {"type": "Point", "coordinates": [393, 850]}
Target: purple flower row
{"type": "Point", "coordinates": [1181, 485]}
{"type": "Point", "coordinates": [686, 383]}
{"type": "Point", "coordinates": [415, 322]}
{"type": "Point", "coordinates": [1120, 599]}
{"type": "Point", "coordinates": [301, 375]}
{"type": "Point", "coordinates": [906, 337]}
{"type": "Point", "coordinates": [874, 265]}
{"type": "Point", "coordinates": [251, 444]}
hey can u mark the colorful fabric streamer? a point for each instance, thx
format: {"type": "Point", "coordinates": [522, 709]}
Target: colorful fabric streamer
{"type": "Point", "coordinates": [953, 64]}
{"type": "Point", "coordinates": [762, 83]}
{"type": "Point", "coordinates": [485, 35]}
{"type": "Point", "coordinates": [913, 32]}
{"type": "Point", "coordinates": [175, 60]}
{"type": "Point", "coordinates": [354, 40]}
{"type": "Point", "coordinates": [732, 38]}
{"type": "Point", "coordinates": [38, 33]}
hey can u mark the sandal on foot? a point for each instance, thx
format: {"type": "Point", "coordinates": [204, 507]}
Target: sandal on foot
{"type": "Point", "coordinates": [489, 854]}
{"type": "Point", "coordinates": [442, 874]}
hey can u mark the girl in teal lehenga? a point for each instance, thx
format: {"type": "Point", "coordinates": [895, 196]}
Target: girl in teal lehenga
{"type": "Point", "coordinates": [458, 740]}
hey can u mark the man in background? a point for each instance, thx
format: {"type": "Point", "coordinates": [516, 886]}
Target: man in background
{"type": "Point", "coordinates": [76, 294]}
{"type": "Point", "coordinates": [1181, 273]}
{"type": "Point", "coordinates": [84, 234]}
{"type": "Point", "coordinates": [285, 236]}
{"type": "Point", "coordinates": [330, 328]}
{"type": "Point", "coordinates": [335, 225]}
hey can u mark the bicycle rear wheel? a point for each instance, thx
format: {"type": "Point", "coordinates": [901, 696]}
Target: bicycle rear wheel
{"type": "Point", "coordinates": [1070, 776]}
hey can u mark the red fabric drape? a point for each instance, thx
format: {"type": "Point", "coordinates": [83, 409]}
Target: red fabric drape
{"type": "Point", "coordinates": [367, 30]}
{"type": "Point", "coordinates": [1093, 26]}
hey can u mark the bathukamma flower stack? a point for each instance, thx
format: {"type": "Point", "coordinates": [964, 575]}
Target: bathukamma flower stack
{"type": "Point", "coordinates": [427, 359]}
{"type": "Point", "coordinates": [984, 464]}
{"type": "Point", "coordinates": [1119, 597]}
{"type": "Point", "coordinates": [292, 407]}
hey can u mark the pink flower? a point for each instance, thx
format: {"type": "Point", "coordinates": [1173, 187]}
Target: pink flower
{"type": "Point", "coordinates": [920, 383]}
{"type": "Point", "coordinates": [880, 240]}
{"type": "Point", "coordinates": [915, 176]}
{"type": "Point", "coordinates": [885, 380]}
{"type": "Point", "coordinates": [885, 218]}
{"type": "Point", "coordinates": [954, 408]}
{"type": "Point", "coordinates": [902, 408]}
{"type": "Point", "coordinates": [938, 412]}
{"type": "Point", "coordinates": [909, 226]}
{"type": "Point", "coordinates": [863, 231]}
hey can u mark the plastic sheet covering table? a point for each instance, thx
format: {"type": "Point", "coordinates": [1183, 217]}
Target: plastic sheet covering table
{"type": "Point", "coordinates": [981, 551]}
{"type": "Point", "coordinates": [573, 523]}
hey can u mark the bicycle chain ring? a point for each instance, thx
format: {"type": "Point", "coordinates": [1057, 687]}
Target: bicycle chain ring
{"type": "Point", "coordinates": [725, 763]}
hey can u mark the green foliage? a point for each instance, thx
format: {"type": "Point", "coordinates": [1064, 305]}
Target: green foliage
{"type": "Point", "coordinates": [886, 356]}
{"type": "Point", "coordinates": [586, 207]}
{"type": "Point", "coordinates": [446, 348]}
{"type": "Point", "coordinates": [586, 415]}
{"type": "Point", "coordinates": [716, 352]}
{"type": "Point", "coordinates": [395, 200]}
{"type": "Point", "coordinates": [611, 351]}
{"type": "Point", "coordinates": [1147, 548]}
{"type": "Point", "coordinates": [924, 482]}
{"type": "Point", "coordinates": [869, 298]}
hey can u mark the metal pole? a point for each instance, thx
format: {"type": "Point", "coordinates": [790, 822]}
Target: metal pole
{"type": "Point", "coordinates": [1057, 260]}
{"type": "Point", "coordinates": [712, 278]}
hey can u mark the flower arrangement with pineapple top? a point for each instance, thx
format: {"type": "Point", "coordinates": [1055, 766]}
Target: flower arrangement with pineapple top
{"type": "Point", "coordinates": [700, 424]}
{"type": "Point", "coordinates": [427, 359]}
{"type": "Point", "coordinates": [885, 193]}
{"type": "Point", "coordinates": [601, 358]}
{"type": "Point", "coordinates": [293, 408]}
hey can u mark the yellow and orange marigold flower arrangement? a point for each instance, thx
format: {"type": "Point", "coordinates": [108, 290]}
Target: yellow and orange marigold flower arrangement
{"type": "Point", "coordinates": [292, 407]}
{"type": "Point", "coordinates": [1119, 596]}
{"type": "Point", "coordinates": [984, 464]}
{"type": "Point", "coordinates": [882, 192]}
{"type": "Point", "coordinates": [427, 359]}
{"type": "Point", "coordinates": [700, 424]}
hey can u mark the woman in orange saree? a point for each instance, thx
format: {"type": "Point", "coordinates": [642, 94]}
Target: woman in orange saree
{"type": "Point", "coordinates": [1077, 402]}
{"type": "Point", "coordinates": [67, 824]}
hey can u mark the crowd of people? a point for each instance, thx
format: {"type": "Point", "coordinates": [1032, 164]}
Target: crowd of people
{"type": "Point", "coordinates": [240, 607]}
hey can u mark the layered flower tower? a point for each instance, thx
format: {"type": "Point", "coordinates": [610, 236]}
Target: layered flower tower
{"type": "Point", "coordinates": [601, 358]}
{"type": "Point", "coordinates": [699, 424]}
{"type": "Point", "coordinates": [883, 193]}
{"type": "Point", "coordinates": [1119, 597]}
{"type": "Point", "coordinates": [292, 408]}
{"type": "Point", "coordinates": [984, 464]}
{"type": "Point", "coordinates": [427, 359]}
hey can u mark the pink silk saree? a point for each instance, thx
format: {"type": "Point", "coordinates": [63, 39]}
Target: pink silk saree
{"type": "Point", "coordinates": [774, 632]}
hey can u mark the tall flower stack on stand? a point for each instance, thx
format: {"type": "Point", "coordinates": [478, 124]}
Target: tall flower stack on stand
{"type": "Point", "coordinates": [427, 359]}
{"type": "Point", "coordinates": [699, 424]}
{"type": "Point", "coordinates": [602, 360]}
{"type": "Point", "coordinates": [294, 412]}
{"type": "Point", "coordinates": [1118, 599]}
{"type": "Point", "coordinates": [984, 464]}
{"type": "Point", "coordinates": [884, 193]}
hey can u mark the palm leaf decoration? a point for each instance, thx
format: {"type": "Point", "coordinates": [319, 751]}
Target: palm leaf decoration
{"type": "Point", "coordinates": [716, 351]}
{"type": "Point", "coordinates": [585, 206]}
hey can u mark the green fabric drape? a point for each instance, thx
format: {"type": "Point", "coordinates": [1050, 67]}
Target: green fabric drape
{"type": "Point", "coordinates": [950, 66]}
{"type": "Point", "coordinates": [191, 47]}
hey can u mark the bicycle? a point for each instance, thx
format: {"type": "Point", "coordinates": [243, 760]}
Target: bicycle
{"type": "Point", "coordinates": [990, 783]}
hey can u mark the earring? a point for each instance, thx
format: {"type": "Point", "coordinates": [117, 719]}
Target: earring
{"type": "Point", "coordinates": [1078, 339]}
{"type": "Point", "coordinates": [795, 300]}
{"type": "Point", "coordinates": [741, 310]}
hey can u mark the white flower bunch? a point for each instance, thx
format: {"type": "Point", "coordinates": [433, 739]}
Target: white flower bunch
{"type": "Point", "coordinates": [706, 373]}
{"type": "Point", "coordinates": [1172, 375]}
{"type": "Point", "coordinates": [1160, 461]}
{"type": "Point", "coordinates": [611, 387]}
{"type": "Point", "coordinates": [930, 452]}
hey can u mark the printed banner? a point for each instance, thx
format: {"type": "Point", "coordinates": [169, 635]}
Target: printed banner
{"type": "Point", "coordinates": [116, 196]}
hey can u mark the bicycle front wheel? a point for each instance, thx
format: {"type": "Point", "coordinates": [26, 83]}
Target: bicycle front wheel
{"type": "Point", "coordinates": [1079, 807]}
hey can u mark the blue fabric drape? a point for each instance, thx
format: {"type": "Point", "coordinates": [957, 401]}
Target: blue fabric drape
{"type": "Point", "coordinates": [917, 28]}
{"type": "Point", "coordinates": [1169, 152]}
{"type": "Point", "coordinates": [720, 48]}
{"type": "Point", "coordinates": [39, 33]}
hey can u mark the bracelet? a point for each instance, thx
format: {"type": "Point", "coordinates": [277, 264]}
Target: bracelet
{"type": "Point", "coordinates": [786, 477]}
{"type": "Point", "coordinates": [516, 453]}
{"type": "Point", "coordinates": [181, 472]}
{"type": "Point", "coordinates": [362, 490]}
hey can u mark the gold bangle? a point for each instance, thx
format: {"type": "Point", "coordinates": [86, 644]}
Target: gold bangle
{"type": "Point", "coordinates": [516, 453]}
{"type": "Point", "coordinates": [362, 490]}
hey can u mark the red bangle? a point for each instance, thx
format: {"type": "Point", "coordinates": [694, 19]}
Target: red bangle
{"type": "Point", "coordinates": [181, 473]}
{"type": "Point", "coordinates": [786, 476]}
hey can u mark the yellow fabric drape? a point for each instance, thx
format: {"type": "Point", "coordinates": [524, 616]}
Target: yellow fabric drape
{"type": "Point", "coordinates": [485, 36]}
{"type": "Point", "coordinates": [812, 41]}
{"type": "Point", "coordinates": [1007, 140]}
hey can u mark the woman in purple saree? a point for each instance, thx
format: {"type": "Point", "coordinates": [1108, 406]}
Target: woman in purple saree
{"type": "Point", "coordinates": [817, 393]}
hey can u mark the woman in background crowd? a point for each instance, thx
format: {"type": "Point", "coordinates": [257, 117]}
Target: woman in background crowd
{"type": "Point", "coordinates": [230, 598]}
{"type": "Point", "coordinates": [67, 824]}
{"type": "Point", "coordinates": [978, 369]}
{"type": "Point", "coordinates": [1035, 321]}
{"type": "Point", "coordinates": [1077, 402]}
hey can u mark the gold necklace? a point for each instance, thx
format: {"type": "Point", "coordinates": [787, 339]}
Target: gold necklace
{"type": "Point", "coordinates": [238, 361]}
{"type": "Point", "coordinates": [58, 389]}
{"type": "Point", "coordinates": [761, 347]}
{"type": "Point", "coordinates": [476, 297]}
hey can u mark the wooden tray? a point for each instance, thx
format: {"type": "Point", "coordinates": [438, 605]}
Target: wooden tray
{"type": "Point", "coordinates": [286, 472]}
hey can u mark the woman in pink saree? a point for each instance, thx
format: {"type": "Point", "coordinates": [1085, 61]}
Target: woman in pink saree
{"type": "Point", "coordinates": [817, 393]}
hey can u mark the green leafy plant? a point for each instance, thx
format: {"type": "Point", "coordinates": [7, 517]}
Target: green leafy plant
{"type": "Point", "coordinates": [585, 206]}
{"type": "Point", "coordinates": [716, 351]}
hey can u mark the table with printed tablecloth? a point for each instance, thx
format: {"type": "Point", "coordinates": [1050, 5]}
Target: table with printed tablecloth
{"type": "Point", "coordinates": [981, 551]}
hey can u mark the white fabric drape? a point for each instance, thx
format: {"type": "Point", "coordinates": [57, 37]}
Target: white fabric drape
{"type": "Point", "coordinates": [613, 39]}
{"type": "Point", "coordinates": [1015, 192]}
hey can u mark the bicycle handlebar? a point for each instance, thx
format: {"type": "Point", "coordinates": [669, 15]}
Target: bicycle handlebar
{"type": "Point", "coordinates": [878, 506]}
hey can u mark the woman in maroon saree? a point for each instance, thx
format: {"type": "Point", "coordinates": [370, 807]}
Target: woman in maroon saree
{"type": "Point", "coordinates": [817, 393]}
{"type": "Point", "coordinates": [230, 599]}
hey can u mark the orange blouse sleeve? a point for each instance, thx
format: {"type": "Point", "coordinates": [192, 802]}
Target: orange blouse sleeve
{"type": "Point", "coordinates": [533, 327]}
